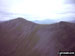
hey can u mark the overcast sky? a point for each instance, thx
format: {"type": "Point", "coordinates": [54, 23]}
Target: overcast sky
{"type": "Point", "coordinates": [37, 9]}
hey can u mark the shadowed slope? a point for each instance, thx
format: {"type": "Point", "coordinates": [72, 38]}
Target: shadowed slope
{"type": "Point", "coordinates": [12, 34]}
{"type": "Point", "coordinates": [20, 37]}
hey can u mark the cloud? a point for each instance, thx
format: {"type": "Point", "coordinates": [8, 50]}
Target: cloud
{"type": "Point", "coordinates": [36, 10]}
{"type": "Point", "coordinates": [70, 1]}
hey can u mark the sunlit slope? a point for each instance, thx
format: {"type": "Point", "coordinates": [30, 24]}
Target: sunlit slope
{"type": "Point", "coordinates": [20, 37]}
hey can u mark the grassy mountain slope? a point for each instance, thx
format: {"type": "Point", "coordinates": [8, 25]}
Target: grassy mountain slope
{"type": "Point", "coordinates": [20, 37]}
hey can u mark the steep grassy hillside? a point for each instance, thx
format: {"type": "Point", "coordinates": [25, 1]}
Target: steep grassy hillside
{"type": "Point", "coordinates": [20, 37]}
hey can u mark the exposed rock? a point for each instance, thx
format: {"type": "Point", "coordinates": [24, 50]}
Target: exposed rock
{"type": "Point", "coordinates": [20, 37]}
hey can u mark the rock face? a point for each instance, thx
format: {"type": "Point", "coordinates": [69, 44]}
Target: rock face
{"type": "Point", "coordinates": [20, 37]}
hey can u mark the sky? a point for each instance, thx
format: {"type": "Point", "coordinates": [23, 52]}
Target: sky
{"type": "Point", "coordinates": [37, 9]}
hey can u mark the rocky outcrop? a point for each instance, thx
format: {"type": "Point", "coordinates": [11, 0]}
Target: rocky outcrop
{"type": "Point", "coordinates": [20, 37]}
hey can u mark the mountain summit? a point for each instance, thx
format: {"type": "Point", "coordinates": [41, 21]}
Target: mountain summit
{"type": "Point", "coordinates": [19, 19]}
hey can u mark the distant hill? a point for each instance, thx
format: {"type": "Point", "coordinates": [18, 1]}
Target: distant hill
{"type": "Point", "coordinates": [46, 21]}
{"type": "Point", "coordinates": [20, 37]}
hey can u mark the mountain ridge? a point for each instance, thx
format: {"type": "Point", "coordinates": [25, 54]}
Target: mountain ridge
{"type": "Point", "coordinates": [20, 37]}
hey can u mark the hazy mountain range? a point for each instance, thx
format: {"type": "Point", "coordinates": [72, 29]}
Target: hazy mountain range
{"type": "Point", "coordinates": [46, 21]}
{"type": "Point", "coordinates": [20, 37]}
{"type": "Point", "coordinates": [51, 21]}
